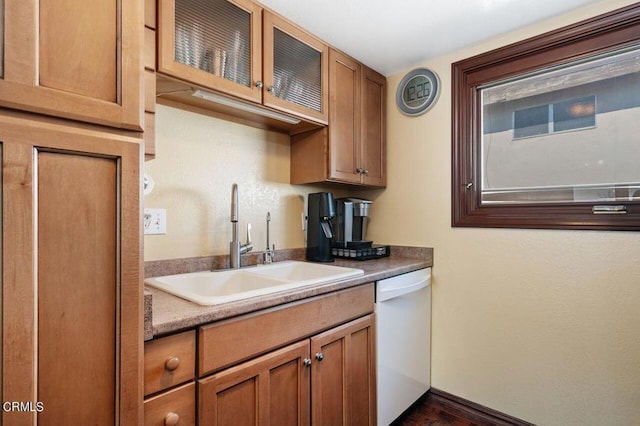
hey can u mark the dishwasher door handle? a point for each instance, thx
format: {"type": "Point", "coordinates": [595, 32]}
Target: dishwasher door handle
{"type": "Point", "coordinates": [392, 292]}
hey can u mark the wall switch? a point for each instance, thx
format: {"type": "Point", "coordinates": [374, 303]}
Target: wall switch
{"type": "Point", "coordinates": [155, 221]}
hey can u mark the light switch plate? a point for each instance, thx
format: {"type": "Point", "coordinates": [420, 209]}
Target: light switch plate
{"type": "Point", "coordinates": [155, 221]}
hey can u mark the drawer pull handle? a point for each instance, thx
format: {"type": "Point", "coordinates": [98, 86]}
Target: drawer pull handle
{"type": "Point", "coordinates": [319, 356]}
{"type": "Point", "coordinates": [171, 419]}
{"type": "Point", "coordinates": [172, 363]}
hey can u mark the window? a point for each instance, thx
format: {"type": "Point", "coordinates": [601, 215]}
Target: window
{"type": "Point", "coordinates": [546, 132]}
{"type": "Point", "coordinates": [575, 114]}
{"type": "Point", "coordinates": [531, 122]}
{"type": "Point", "coordinates": [564, 116]}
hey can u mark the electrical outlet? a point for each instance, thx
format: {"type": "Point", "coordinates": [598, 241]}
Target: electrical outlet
{"type": "Point", "coordinates": [155, 221]}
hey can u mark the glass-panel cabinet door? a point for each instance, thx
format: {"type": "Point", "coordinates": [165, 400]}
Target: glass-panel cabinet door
{"type": "Point", "coordinates": [295, 70]}
{"type": "Point", "coordinates": [212, 43]}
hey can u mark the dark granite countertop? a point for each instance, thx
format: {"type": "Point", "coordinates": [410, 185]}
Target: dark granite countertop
{"type": "Point", "coordinates": [170, 313]}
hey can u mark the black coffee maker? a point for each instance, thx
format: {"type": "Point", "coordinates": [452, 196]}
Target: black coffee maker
{"type": "Point", "coordinates": [350, 223]}
{"type": "Point", "coordinates": [320, 211]}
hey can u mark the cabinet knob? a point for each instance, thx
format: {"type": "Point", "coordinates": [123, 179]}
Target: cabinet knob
{"type": "Point", "coordinates": [365, 171]}
{"type": "Point", "coordinates": [171, 419]}
{"type": "Point", "coordinates": [306, 362]}
{"type": "Point", "coordinates": [171, 364]}
{"type": "Point", "coordinates": [319, 356]}
{"type": "Point", "coordinates": [259, 84]}
{"type": "Point", "coordinates": [359, 170]}
{"type": "Point", "coordinates": [271, 89]}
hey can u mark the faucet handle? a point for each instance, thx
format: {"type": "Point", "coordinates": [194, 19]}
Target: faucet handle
{"type": "Point", "coordinates": [246, 248]}
{"type": "Point", "coordinates": [249, 234]}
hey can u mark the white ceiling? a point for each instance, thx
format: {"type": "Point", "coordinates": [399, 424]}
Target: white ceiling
{"type": "Point", "coordinates": [393, 35]}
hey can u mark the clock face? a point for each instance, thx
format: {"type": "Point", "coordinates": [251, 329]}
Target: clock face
{"type": "Point", "coordinates": [417, 91]}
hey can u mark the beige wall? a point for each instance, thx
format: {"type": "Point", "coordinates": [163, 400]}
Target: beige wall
{"type": "Point", "coordinates": [542, 325]}
{"type": "Point", "coordinates": [198, 159]}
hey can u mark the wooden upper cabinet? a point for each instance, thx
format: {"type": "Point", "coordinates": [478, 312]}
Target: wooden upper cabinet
{"type": "Point", "coordinates": [373, 128]}
{"type": "Point", "coordinates": [295, 70]}
{"type": "Point", "coordinates": [74, 59]}
{"type": "Point", "coordinates": [344, 129]}
{"type": "Point", "coordinates": [357, 143]}
{"type": "Point", "coordinates": [352, 149]}
{"type": "Point", "coordinates": [235, 48]}
{"type": "Point", "coordinates": [215, 44]}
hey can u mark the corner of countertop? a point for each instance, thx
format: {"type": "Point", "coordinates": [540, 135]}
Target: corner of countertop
{"type": "Point", "coordinates": [413, 252]}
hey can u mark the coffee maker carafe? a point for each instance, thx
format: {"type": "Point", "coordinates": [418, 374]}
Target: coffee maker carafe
{"type": "Point", "coordinates": [351, 219]}
{"type": "Point", "coordinates": [320, 211]}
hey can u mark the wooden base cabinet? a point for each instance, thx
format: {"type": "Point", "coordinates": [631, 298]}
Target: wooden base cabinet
{"type": "Point", "coordinates": [328, 379]}
{"type": "Point", "coordinates": [270, 390]}
{"type": "Point", "coordinates": [306, 362]}
{"type": "Point", "coordinates": [343, 375]}
{"type": "Point", "coordinates": [71, 274]}
{"type": "Point", "coordinates": [169, 387]}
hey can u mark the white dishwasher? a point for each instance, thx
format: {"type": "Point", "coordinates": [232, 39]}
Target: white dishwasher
{"type": "Point", "coordinates": [403, 342]}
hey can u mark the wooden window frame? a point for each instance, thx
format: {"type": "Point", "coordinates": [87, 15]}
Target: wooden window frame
{"type": "Point", "coordinates": [604, 33]}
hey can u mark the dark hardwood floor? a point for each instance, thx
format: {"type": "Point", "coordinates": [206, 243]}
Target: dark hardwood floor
{"type": "Point", "coordinates": [438, 408]}
{"type": "Point", "coordinates": [430, 411]}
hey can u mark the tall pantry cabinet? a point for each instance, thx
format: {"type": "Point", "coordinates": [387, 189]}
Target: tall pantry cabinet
{"type": "Point", "coordinates": [71, 155]}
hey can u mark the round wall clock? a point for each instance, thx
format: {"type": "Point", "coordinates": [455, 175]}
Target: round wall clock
{"type": "Point", "coordinates": [418, 91]}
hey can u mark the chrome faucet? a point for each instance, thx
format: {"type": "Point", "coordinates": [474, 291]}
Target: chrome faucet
{"type": "Point", "coordinates": [269, 253]}
{"type": "Point", "coordinates": [235, 247]}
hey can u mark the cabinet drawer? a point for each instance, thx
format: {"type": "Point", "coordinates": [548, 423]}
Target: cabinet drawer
{"type": "Point", "coordinates": [169, 361]}
{"type": "Point", "coordinates": [229, 342]}
{"type": "Point", "coordinates": [175, 407]}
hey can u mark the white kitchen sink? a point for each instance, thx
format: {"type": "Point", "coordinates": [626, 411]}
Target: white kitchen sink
{"type": "Point", "coordinates": [215, 287]}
